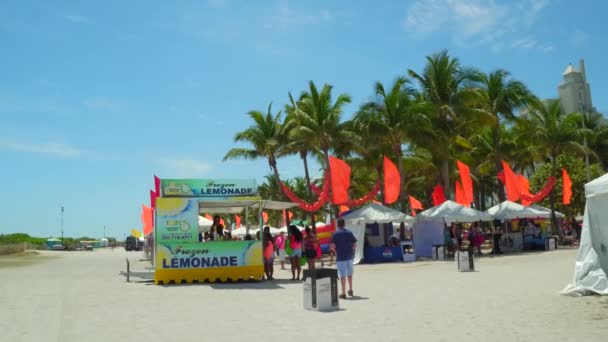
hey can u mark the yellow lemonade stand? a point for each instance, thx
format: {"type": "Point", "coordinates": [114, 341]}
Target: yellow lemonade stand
{"type": "Point", "coordinates": [179, 257]}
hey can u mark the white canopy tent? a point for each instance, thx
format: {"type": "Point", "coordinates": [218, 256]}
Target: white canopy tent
{"type": "Point", "coordinates": [591, 264]}
{"type": "Point", "coordinates": [241, 232]}
{"type": "Point", "coordinates": [450, 211]}
{"type": "Point", "coordinates": [429, 227]}
{"type": "Point", "coordinates": [356, 220]}
{"type": "Point", "coordinates": [204, 224]}
{"type": "Point", "coordinates": [508, 210]}
{"type": "Point", "coordinates": [545, 209]}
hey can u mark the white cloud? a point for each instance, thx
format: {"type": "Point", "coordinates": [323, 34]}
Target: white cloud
{"type": "Point", "coordinates": [579, 38]}
{"type": "Point", "coordinates": [57, 149]}
{"type": "Point", "coordinates": [477, 22]}
{"type": "Point", "coordinates": [184, 167]}
{"type": "Point", "coordinates": [217, 3]}
{"type": "Point", "coordinates": [75, 18]}
{"type": "Point", "coordinates": [287, 16]}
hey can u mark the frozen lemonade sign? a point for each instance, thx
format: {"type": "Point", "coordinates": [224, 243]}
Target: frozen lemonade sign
{"type": "Point", "coordinates": [208, 188]}
{"type": "Point", "coordinates": [176, 220]}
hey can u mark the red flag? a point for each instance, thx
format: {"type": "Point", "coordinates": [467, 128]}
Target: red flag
{"type": "Point", "coordinates": [147, 218]}
{"type": "Point", "coordinates": [237, 221]}
{"type": "Point", "coordinates": [157, 185]}
{"type": "Point", "coordinates": [153, 199]}
{"type": "Point", "coordinates": [511, 182]}
{"type": "Point", "coordinates": [438, 195]}
{"type": "Point", "coordinates": [208, 217]}
{"type": "Point", "coordinates": [222, 222]}
{"type": "Point", "coordinates": [340, 179]}
{"type": "Point", "coordinates": [290, 214]}
{"type": "Point", "coordinates": [264, 217]}
{"type": "Point", "coordinates": [344, 208]}
{"type": "Point", "coordinates": [567, 190]}
{"type": "Point", "coordinates": [459, 195]}
{"type": "Point", "coordinates": [524, 188]}
{"type": "Point", "coordinates": [392, 181]}
{"type": "Point", "coordinates": [415, 204]}
{"type": "Point", "coordinates": [465, 179]}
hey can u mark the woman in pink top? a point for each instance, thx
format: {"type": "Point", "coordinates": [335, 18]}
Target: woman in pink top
{"type": "Point", "coordinates": [280, 245]}
{"type": "Point", "coordinates": [295, 243]}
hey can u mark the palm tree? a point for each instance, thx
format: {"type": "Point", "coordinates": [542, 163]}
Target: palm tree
{"type": "Point", "coordinates": [499, 97]}
{"type": "Point", "coordinates": [444, 84]}
{"type": "Point", "coordinates": [554, 133]}
{"type": "Point", "coordinates": [267, 137]}
{"type": "Point", "coordinates": [395, 118]}
{"type": "Point", "coordinates": [318, 118]}
{"type": "Point", "coordinates": [300, 144]}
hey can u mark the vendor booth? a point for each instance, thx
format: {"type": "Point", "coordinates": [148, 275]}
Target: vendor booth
{"type": "Point", "coordinates": [430, 224]}
{"type": "Point", "coordinates": [180, 257]}
{"type": "Point", "coordinates": [372, 226]}
{"type": "Point", "coordinates": [591, 264]}
{"type": "Point", "coordinates": [525, 227]}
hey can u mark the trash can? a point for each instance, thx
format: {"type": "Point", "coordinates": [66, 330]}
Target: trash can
{"type": "Point", "coordinates": [407, 247]}
{"type": "Point", "coordinates": [321, 289]}
{"type": "Point", "coordinates": [438, 252]}
{"type": "Point", "coordinates": [465, 261]}
{"type": "Point", "coordinates": [550, 243]}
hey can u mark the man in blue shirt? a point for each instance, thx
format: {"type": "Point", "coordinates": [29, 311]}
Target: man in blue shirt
{"type": "Point", "coordinates": [344, 242]}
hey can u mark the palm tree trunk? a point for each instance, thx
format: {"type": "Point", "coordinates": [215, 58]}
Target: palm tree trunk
{"type": "Point", "coordinates": [303, 155]}
{"type": "Point", "coordinates": [381, 180]}
{"type": "Point", "coordinates": [498, 156]}
{"type": "Point", "coordinates": [328, 171]}
{"type": "Point", "coordinates": [403, 189]}
{"type": "Point", "coordinates": [445, 176]}
{"type": "Point", "coordinates": [552, 200]}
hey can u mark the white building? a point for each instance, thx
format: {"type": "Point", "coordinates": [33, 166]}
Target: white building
{"type": "Point", "coordinates": [575, 92]}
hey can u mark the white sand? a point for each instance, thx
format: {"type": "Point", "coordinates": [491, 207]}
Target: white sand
{"type": "Point", "coordinates": [80, 296]}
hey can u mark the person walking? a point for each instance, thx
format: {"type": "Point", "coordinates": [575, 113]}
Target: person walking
{"type": "Point", "coordinates": [295, 244]}
{"type": "Point", "coordinates": [344, 242]}
{"type": "Point", "coordinates": [268, 246]}
{"type": "Point", "coordinates": [310, 248]}
{"type": "Point", "coordinates": [279, 243]}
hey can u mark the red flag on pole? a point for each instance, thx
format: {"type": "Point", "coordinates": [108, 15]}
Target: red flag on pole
{"type": "Point", "coordinates": [438, 195]}
{"type": "Point", "coordinates": [340, 179]}
{"type": "Point", "coordinates": [147, 218]}
{"type": "Point", "coordinates": [415, 204]}
{"type": "Point", "coordinates": [524, 188]}
{"type": "Point", "coordinates": [459, 196]}
{"type": "Point", "coordinates": [153, 199]}
{"type": "Point", "coordinates": [511, 183]}
{"type": "Point", "coordinates": [290, 214]}
{"type": "Point", "coordinates": [237, 221]}
{"type": "Point", "coordinates": [264, 217]}
{"type": "Point", "coordinates": [465, 179]}
{"type": "Point", "coordinates": [344, 208]}
{"type": "Point", "coordinates": [567, 190]}
{"type": "Point", "coordinates": [392, 181]}
{"type": "Point", "coordinates": [157, 185]}
{"type": "Point", "coordinates": [222, 222]}
{"type": "Point", "coordinates": [208, 217]}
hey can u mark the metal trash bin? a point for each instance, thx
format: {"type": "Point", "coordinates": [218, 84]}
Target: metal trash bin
{"type": "Point", "coordinates": [438, 252]}
{"type": "Point", "coordinates": [465, 261]}
{"type": "Point", "coordinates": [550, 243]}
{"type": "Point", "coordinates": [321, 289]}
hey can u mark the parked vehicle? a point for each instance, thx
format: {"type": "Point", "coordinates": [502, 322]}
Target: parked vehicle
{"type": "Point", "coordinates": [133, 244]}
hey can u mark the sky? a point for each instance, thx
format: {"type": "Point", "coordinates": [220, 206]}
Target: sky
{"type": "Point", "coordinates": [97, 97]}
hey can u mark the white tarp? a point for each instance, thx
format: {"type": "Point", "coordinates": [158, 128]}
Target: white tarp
{"type": "Point", "coordinates": [508, 210]}
{"type": "Point", "coordinates": [204, 223]}
{"type": "Point", "coordinates": [241, 232]}
{"type": "Point", "coordinates": [545, 209]}
{"type": "Point", "coordinates": [452, 212]}
{"type": "Point", "coordinates": [591, 264]}
{"type": "Point", "coordinates": [371, 213]}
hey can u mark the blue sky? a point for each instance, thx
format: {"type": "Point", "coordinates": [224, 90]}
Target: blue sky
{"type": "Point", "coordinates": [97, 97]}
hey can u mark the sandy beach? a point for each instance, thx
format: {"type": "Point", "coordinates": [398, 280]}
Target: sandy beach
{"type": "Point", "coordinates": [80, 296]}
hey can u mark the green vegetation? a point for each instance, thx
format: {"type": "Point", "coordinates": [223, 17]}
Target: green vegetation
{"type": "Point", "coordinates": [424, 122]}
